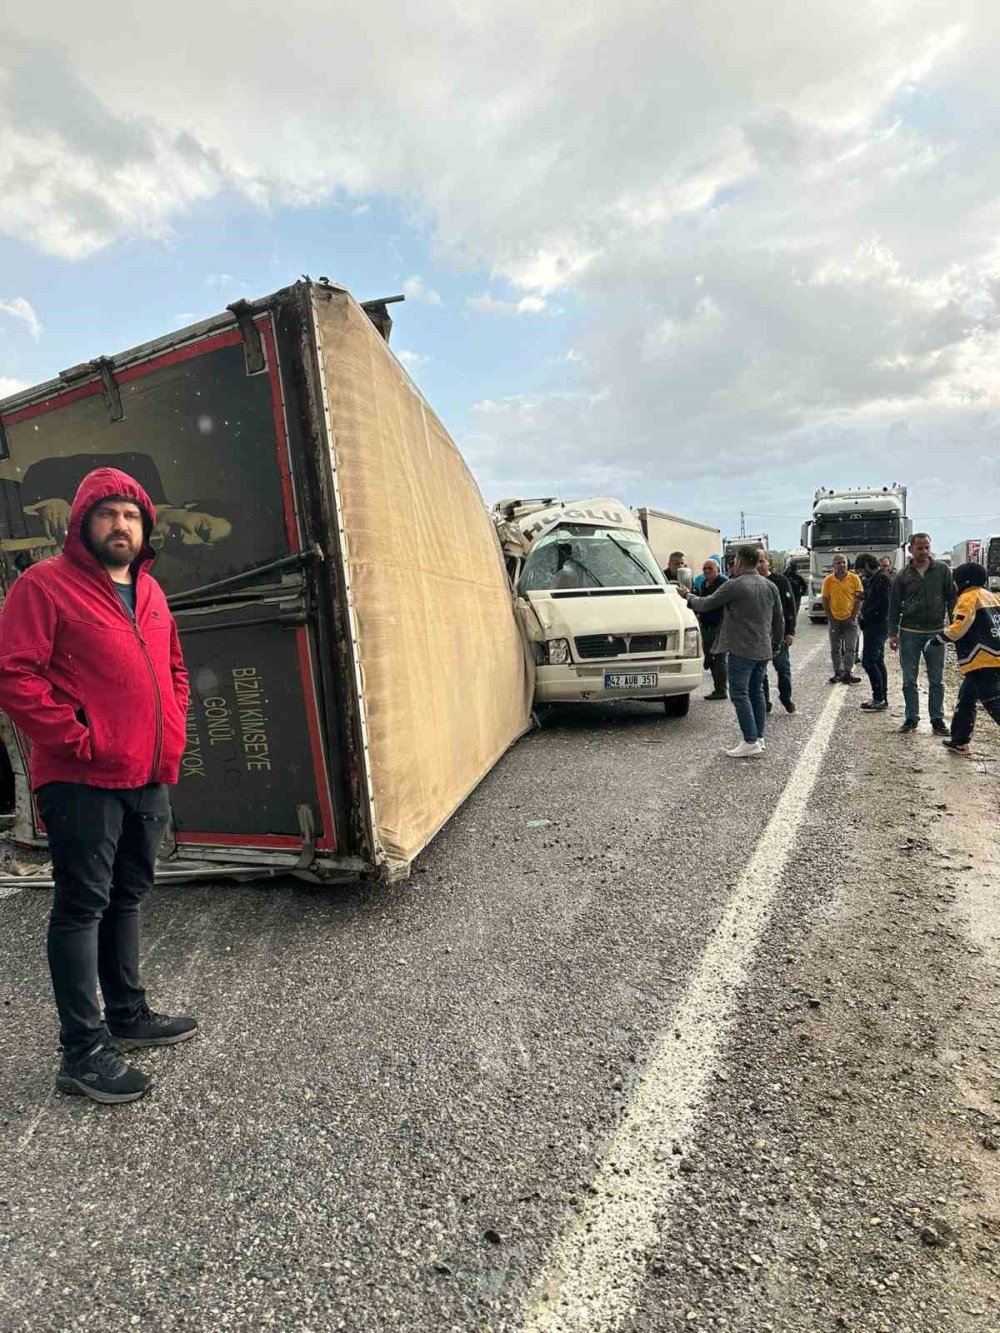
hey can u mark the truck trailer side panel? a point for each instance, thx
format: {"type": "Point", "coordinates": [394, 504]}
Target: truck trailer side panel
{"type": "Point", "coordinates": [446, 685]}
{"type": "Point", "coordinates": [667, 532]}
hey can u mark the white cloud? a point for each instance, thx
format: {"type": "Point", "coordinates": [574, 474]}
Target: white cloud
{"type": "Point", "coordinates": [778, 242]}
{"type": "Point", "coordinates": [412, 360]}
{"type": "Point", "coordinates": [489, 305]}
{"type": "Point", "coordinates": [9, 386]}
{"type": "Point", "coordinates": [18, 308]}
{"type": "Point", "coordinates": [415, 289]}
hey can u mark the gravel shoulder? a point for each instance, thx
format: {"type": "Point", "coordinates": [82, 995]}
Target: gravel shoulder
{"type": "Point", "coordinates": [848, 1174]}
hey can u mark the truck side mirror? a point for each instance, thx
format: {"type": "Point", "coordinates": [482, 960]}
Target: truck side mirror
{"type": "Point", "coordinates": [907, 530]}
{"type": "Point", "coordinates": [804, 535]}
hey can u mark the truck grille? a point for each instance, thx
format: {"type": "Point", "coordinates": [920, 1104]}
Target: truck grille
{"type": "Point", "coordinates": [618, 645]}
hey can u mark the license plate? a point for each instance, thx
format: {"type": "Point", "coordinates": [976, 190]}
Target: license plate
{"type": "Point", "coordinates": [634, 680]}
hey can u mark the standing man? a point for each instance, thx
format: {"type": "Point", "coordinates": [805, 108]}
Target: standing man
{"type": "Point", "coordinates": [887, 567]}
{"type": "Point", "coordinates": [91, 672]}
{"type": "Point", "coordinates": [674, 564]}
{"type": "Point", "coordinates": [842, 594]}
{"type": "Point", "coordinates": [711, 622]}
{"type": "Point", "coordinates": [874, 622]}
{"type": "Point", "coordinates": [781, 661]}
{"type": "Point", "coordinates": [751, 633]}
{"type": "Point", "coordinates": [921, 601]}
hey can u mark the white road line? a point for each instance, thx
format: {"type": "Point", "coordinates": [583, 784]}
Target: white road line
{"type": "Point", "coordinates": [594, 1272]}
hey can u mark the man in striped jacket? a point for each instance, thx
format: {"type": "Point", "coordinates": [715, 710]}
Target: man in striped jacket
{"type": "Point", "coordinates": [975, 632]}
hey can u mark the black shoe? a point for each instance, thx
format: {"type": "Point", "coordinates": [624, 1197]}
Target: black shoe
{"type": "Point", "coordinates": [103, 1076]}
{"type": "Point", "coordinates": [151, 1029]}
{"type": "Point", "coordinates": [875, 706]}
{"type": "Point", "coordinates": [908, 726]}
{"type": "Point", "coordinates": [957, 747]}
{"type": "Point", "coordinates": [851, 680]}
{"type": "Point", "coordinates": [940, 727]}
{"type": "Point", "coordinates": [835, 680]}
{"type": "Point", "coordinates": [717, 694]}
{"type": "Point", "coordinates": [769, 705]}
{"type": "Point", "coordinates": [788, 705]}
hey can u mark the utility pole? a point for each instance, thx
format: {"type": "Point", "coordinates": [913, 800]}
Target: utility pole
{"type": "Point", "coordinates": [743, 526]}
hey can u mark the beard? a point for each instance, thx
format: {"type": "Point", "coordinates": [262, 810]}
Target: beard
{"type": "Point", "coordinates": [116, 556]}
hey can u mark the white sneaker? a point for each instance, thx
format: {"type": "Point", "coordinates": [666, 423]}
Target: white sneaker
{"type": "Point", "coordinates": [745, 750]}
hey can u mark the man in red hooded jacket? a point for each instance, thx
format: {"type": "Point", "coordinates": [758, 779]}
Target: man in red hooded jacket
{"type": "Point", "coordinates": [91, 672]}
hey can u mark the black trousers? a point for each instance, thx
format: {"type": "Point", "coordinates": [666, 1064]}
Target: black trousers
{"type": "Point", "coordinates": [873, 660]}
{"type": "Point", "coordinates": [103, 844]}
{"type": "Point", "coordinates": [982, 686]}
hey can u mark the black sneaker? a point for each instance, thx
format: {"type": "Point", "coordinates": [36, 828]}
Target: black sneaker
{"type": "Point", "coordinates": [788, 705]}
{"type": "Point", "coordinates": [875, 706]}
{"type": "Point", "coordinates": [152, 1029]}
{"type": "Point", "coordinates": [769, 705]}
{"type": "Point", "coordinates": [851, 680]}
{"type": "Point", "coordinates": [103, 1076]}
{"type": "Point", "coordinates": [717, 694]}
{"type": "Point", "coordinates": [957, 747]}
{"type": "Point", "coordinates": [835, 680]}
{"type": "Point", "coordinates": [940, 727]}
{"type": "Point", "coordinates": [908, 726]}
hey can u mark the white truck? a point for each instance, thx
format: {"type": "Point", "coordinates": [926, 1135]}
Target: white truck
{"type": "Point", "coordinates": [849, 522]}
{"type": "Point", "coordinates": [598, 617]}
{"type": "Point", "coordinates": [971, 550]}
{"type": "Point", "coordinates": [666, 533]}
{"type": "Point", "coordinates": [733, 544]}
{"type": "Point", "coordinates": [991, 559]}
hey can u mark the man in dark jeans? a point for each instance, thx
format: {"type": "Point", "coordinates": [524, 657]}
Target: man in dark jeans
{"type": "Point", "coordinates": [874, 621]}
{"type": "Point", "coordinates": [920, 605]}
{"type": "Point", "coordinates": [711, 622]}
{"type": "Point", "coordinates": [91, 671]}
{"type": "Point", "coordinates": [751, 634]}
{"type": "Point", "coordinates": [781, 661]}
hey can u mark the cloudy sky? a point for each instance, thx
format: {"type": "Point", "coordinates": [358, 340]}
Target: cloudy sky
{"type": "Point", "coordinates": [701, 256]}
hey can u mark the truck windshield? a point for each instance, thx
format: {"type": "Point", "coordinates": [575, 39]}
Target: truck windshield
{"type": "Point", "coordinates": [857, 528]}
{"type": "Point", "coordinates": [993, 555]}
{"type": "Point", "coordinates": [576, 556]}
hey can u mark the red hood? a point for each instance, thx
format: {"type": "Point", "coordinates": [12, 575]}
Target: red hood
{"type": "Point", "coordinates": [97, 486]}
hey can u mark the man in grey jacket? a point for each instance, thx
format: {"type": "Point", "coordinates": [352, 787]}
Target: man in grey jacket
{"type": "Point", "coordinates": [752, 631]}
{"type": "Point", "coordinates": [920, 605]}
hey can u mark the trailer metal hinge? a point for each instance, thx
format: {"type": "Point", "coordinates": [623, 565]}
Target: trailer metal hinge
{"type": "Point", "coordinates": [379, 315]}
{"type": "Point", "coordinates": [109, 386]}
{"type": "Point", "coordinates": [104, 367]}
{"type": "Point", "coordinates": [307, 826]}
{"type": "Point", "coordinates": [253, 345]}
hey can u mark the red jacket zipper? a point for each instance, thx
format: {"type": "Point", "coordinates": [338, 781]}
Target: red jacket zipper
{"type": "Point", "coordinates": [158, 748]}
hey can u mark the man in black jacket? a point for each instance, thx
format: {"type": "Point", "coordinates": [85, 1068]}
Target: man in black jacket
{"type": "Point", "coordinates": [920, 605]}
{"type": "Point", "coordinates": [710, 622]}
{"type": "Point", "coordinates": [781, 661]}
{"type": "Point", "coordinates": [874, 621]}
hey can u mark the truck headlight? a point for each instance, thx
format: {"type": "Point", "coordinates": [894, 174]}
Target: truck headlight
{"type": "Point", "coordinates": [692, 646]}
{"type": "Point", "coordinates": [558, 652]}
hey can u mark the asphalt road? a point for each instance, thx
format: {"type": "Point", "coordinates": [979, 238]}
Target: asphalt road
{"type": "Point", "coordinates": [405, 1104]}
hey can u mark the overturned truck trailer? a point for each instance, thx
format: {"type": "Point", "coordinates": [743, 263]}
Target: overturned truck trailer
{"type": "Point", "coordinates": [346, 619]}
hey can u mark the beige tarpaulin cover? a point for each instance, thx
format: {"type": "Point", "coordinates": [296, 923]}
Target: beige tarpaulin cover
{"type": "Point", "coordinates": [446, 685]}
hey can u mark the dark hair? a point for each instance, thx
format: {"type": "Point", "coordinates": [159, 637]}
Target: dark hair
{"type": "Point", "coordinates": [675, 554]}
{"type": "Point", "coordinates": [919, 534]}
{"type": "Point", "coordinates": [866, 561]}
{"type": "Point", "coordinates": [971, 575]}
{"type": "Point", "coordinates": [748, 555]}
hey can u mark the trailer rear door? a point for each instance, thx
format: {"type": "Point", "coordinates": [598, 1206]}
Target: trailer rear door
{"type": "Point", "coordinates": [200, 424]}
